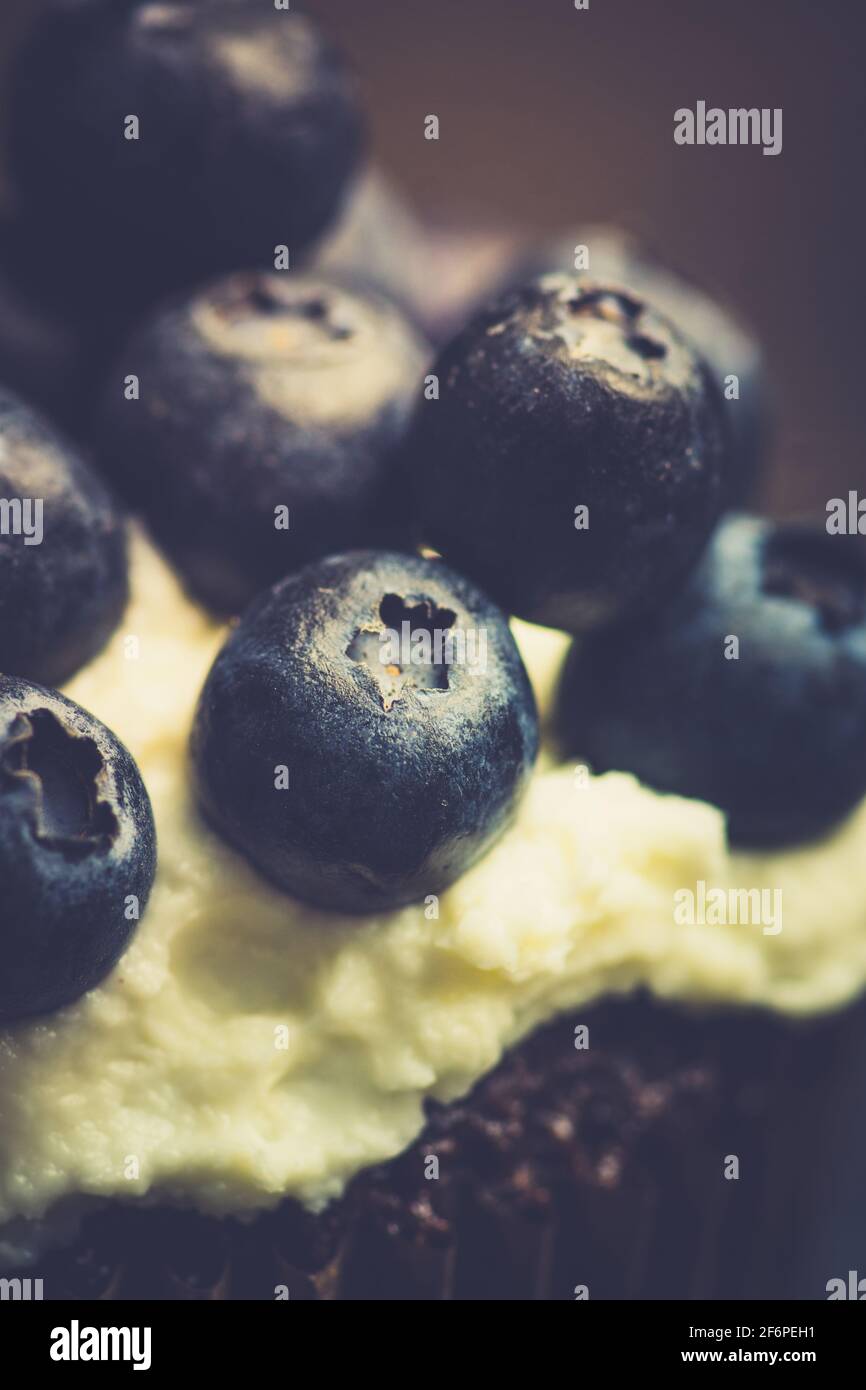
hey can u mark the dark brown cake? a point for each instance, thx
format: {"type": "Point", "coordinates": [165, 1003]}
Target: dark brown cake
{"type": "Point", "coordinates": [602, 1168]}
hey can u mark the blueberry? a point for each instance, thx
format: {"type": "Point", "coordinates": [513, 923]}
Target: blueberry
{"type": "Point", "coordinates": [361, 764]}
{"type": "Point", "coordinates": [271, 407]}
{"type": "Point", "coordinates": [63, 559]}
{"type": "Point", "coordinates": [772, 730]}
{"type": "Point", "coordinates": [572, 464]}
{"type": "Point", "coordinates": [77, 849]}
{"type": "Point", "coordinates": [248, 132]}
{"type": "Point", "coordinates": [722, 340]}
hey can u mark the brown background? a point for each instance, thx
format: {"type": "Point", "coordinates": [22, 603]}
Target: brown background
{"type": "Point", "coordinates": [550, 115]}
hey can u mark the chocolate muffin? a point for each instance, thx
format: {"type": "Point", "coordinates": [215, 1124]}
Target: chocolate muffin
{"type": "Point", "coordinates": [569, 1172]}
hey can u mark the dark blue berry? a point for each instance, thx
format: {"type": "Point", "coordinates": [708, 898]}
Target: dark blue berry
{"type": "Point", "coordinates": [248, 133]}
{"type": "Point", "coordinates": [573, 462]}
{"type": "Point", "coordinates": [63, 561]}
{"type": "Point", "coordinates": [748, 691]}
{"type": "Point", "coordinates": [400, 773]}
{"type": "Point", "coordinates": [77, 849]}
{"type": "Point", "coordinates": [726, 345]}
{"type": "Point", "coordinates": [270, 411]}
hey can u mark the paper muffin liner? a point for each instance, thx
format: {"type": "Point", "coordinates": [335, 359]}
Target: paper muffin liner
{"type": "Point", "coordinates": [674, 1157]}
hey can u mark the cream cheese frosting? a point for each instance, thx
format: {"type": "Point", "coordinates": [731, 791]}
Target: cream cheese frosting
{"type": "Point", "coordinates": [248, 1047]}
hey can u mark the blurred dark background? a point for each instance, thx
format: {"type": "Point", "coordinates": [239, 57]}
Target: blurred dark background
{"type": "Point", "coordinates": [550, 116]}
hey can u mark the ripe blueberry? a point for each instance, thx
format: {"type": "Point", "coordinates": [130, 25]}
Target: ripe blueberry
{"type": "Point", "coordinates": [270, 409]}
{"type": "Point", "coordinates": [176, 140]}
{"type": "Point", "coordinates": [727, 347]}
{"type": "Point", "coordinates": [748, 691]}
{"type": "Point", "coordinates": [63, 561]}
{"type": "Point", "coordinates": [359, 763]}
{"type": "Point", "coordinates": [77, 849]}
{"type": "Point", "coordinates": [572, 464]}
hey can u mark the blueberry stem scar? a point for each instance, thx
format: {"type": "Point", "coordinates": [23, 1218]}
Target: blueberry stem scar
{"type": "Point", "coordinates": [62, 771]}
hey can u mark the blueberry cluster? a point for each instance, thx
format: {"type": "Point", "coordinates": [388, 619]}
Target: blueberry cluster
{"type": "Point", "coordinates": [268, 405]}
